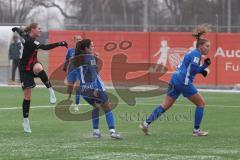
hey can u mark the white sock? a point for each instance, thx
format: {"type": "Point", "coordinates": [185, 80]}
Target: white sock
{"type": "Point", "coordinates": [51, 90]}
{"type": "Point", "coordinates": [145, 124]}
{"type": "Point", "coordinates": [112, 130]}
{"type": "Point", "coordinates": [25, 120]}
{"type": "Point", "coordinates": [96, 130]}
{"type": "Point", "coordinates": [196, 130]}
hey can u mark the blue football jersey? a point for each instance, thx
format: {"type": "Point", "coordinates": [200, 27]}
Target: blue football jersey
{"type": "Point", "coordinates": [89, 77]}
{"type": "Point", "coordinates": [188, 68]}
{"type": "Point", "coordinates": [69, 55]}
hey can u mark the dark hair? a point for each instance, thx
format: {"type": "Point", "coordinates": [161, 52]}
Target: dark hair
{"type": "Point", "coordinates": [81, 46]}
{"type": "Point", "coordinates": [199, 32]}
{"type": "Point", "coordinates": [30, 27]}
{"type": "Point", "coordinates": [80, 49]}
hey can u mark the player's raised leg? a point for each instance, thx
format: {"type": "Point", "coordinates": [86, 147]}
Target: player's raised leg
{"type": "Point", "coordinates": [38, 70]}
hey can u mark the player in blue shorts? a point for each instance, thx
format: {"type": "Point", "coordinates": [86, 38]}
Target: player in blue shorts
{"type": "Point", "coordinates": [72, 74]}
{"type": "Point", "coordinates": [181, 83]}
{"type": "Point", "coordinates": [92, 88]}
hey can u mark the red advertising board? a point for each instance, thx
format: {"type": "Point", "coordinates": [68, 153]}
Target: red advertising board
{"type": "Point", "coordinates": [153, 48]}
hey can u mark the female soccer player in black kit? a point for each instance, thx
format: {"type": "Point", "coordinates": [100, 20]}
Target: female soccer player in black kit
{"type": "Point", "coordinates": [30, 67]}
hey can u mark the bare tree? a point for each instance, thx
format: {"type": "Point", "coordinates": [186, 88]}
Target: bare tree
{"type": "Point", "coordinates": [16, 11]}
{"type": "Point", "coordinates": [175, 7]}
{"type": "Point", "coordinates": [124, 12]}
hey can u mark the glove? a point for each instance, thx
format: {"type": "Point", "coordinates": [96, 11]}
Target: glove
{"type": "Point", "coordinates": [204, 73]}
{"type": "Point", "coordinates": [207, 61]}
{"type": "Point", "coordinates": [14, 29]}
{"type": "Point", "coordinates": [63, 43]}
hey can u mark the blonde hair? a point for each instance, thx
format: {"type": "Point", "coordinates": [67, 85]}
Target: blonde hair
{"type": "Point", "coordinates": [199, 31]}
{"type": "Point", "coordinates": [30, 27]}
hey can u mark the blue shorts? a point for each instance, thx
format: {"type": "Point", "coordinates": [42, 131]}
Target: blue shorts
{"type": "Point", "coordinates": [174, 90]}
{"type": "Point", "coordinates": [87, 94]}
{"type": "Point", "coordinates": [72, 76]}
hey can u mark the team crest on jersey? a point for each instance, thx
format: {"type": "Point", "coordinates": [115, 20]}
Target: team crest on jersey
{"type": "Point", "coordinates": [93, 62]}
{"type": "Point", "coordinates": [36, 42]}
{"type": "Point", "coordinates": [196, 60]}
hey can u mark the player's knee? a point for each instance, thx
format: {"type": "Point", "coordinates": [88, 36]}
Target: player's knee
{"type": "Point", "coordinates": [106, 109]}
{"type": "Point", "coordinates": [37, 68]}
{"type": "Point", "coordinates": [165, 106]}
{"type": "Point", "coordinates": [106, 106]}
{"type": "Point", "coordinates": [27, 96]}
{"type": "Point", "coordinates": [202, 103]}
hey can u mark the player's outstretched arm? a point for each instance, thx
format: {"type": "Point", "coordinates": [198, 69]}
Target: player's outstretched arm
{"type": "Point", "coordinates": [53, 45]}
{"type": "Point", "coordinates": [20, 32]}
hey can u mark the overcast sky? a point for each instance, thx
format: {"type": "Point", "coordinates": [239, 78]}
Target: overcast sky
{"type": "Point", "coordinates": [48, 18]}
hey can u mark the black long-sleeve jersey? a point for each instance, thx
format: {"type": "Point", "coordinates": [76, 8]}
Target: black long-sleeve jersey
{"type": "Point", "coordinates": [30, 50]}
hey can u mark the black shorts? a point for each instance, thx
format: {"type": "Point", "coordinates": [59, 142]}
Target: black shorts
{"type": "Point", "coordinates": [27, 79]}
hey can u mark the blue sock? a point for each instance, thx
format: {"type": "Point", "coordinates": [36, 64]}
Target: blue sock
{"type": "Point", "coordinates": [198, 117]}
{"type": "Point", "coordinates": [78, 96]}
{"type": "Point", "coordinates": [155, 114]}
{"type": "Point", "coordinates": [95, 118]}
{"type": "Point", "coordinates": [110, 119]}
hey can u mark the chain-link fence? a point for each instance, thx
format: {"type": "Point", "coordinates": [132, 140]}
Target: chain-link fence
{"type": "Point", "coordinates": [150, 28]}
{"type": "Point", "coordinates": [133, 27]}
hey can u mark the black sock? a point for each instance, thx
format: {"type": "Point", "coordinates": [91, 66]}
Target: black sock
{"type": "Point", "coordinates": [25, 108]}
{"type": "Point", "coordinates": [43, 76]}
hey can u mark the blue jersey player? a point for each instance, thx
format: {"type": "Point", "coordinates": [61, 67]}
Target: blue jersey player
{"type": "Point", "coordinates": [181, 83]}
{"type": "Point", "coordinates": [72, 74]}
{"type": "Point", "coordinates": [92, 88]}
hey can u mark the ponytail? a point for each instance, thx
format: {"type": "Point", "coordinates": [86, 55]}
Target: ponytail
{"type": "Point", "coordinates": [199, 32]}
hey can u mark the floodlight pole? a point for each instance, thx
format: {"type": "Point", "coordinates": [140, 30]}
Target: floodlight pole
{"type": "Point", "coordinates": [229, 16]}
{"type": "Point", "coordinates": [217, 23]}
{"type": "Point", "coordinates": [145, 15]}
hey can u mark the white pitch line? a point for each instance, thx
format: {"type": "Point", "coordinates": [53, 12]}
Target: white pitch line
{"type": "Point", "coordinates": [33, 107]}
{"type": "Point", "coordinates": [141, 88]}
{"type": "Point", "coordinates": [140, 104]}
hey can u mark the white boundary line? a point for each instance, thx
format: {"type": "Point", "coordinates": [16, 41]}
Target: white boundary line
{"type": "Point", "coordinates": [142, 88]}
{"type": "Point", "coordinates": [140, 104]}
{"type": "Point", "coordinates": [219, 90]}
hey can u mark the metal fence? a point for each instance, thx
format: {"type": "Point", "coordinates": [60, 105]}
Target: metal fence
{"type": "Point", "coordinates": [133, 27]}
{"type": "Point", "coordinates": [150, 28]}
